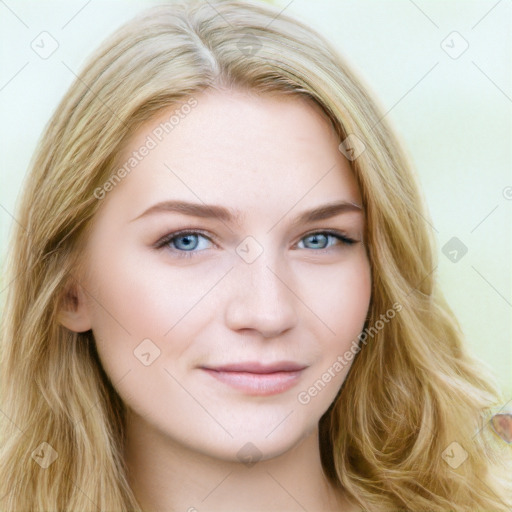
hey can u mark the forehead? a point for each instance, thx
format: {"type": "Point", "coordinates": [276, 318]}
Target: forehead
{"type": "Point", "coordinates": [223, 119]}
{"type": "Point", "coordinates": [239, 149]}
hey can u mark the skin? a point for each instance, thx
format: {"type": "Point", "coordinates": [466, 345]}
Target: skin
{"type": "Point", "coordinates": [302, 299]}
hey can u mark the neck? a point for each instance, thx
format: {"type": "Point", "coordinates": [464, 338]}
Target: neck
{"type": "Point", "coordinates": [168, 476]}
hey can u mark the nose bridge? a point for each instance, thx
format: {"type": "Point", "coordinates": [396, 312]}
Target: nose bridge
{"type": "Point", "coordinates": [262, 300]}
{"type": "Point", "coordinates": [264, 280]}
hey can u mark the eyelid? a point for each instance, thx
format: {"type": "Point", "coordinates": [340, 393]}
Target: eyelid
{"type": "Point", "coordinates": [161, 242]}
{"type": "Point", "coordinates": [329, 231]}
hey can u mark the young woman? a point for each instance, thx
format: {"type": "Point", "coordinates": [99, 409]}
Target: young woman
{"type": "Point", "coordinates": [223, 296]}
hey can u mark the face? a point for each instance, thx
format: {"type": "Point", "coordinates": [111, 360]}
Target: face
{"type": "Point", "coordinates": [218, 287]}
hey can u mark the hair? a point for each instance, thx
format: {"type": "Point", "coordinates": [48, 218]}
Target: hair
{"type": "Point", "coordinates": [412, 391]}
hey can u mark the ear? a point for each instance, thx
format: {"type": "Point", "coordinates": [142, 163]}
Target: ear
{"type": "Point", "coordinates": [73, 311]}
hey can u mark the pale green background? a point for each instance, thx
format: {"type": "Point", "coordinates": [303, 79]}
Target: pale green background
{"type": "Point", "coordinates": [453, 115]}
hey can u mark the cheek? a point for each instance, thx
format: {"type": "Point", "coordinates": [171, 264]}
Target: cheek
{"type": "Point", "coordinates": [342, 305]}
{"type": "Point", "coordinates": [132, 302]}
{"type": "Point", "coordinates": [339, 296]}
{"type": "Point", "coordinates": [143, 294]}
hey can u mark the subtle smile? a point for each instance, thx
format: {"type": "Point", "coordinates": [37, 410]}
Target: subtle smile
{"type": "Point", "coordinates": [256, 379]}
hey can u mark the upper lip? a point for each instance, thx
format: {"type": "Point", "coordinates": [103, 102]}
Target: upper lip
{"type": "Point", "coordinates": [256, 367]}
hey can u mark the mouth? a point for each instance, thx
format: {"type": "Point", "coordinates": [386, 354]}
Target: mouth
{"type": "Point", "coordinates": [255, 379]}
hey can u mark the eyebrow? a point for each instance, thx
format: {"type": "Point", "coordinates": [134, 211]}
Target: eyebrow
{"type": "Point", "coordinates": [229, 215]}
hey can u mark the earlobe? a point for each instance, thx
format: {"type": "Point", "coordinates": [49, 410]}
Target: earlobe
{"type": "Point", "coordinates": [73, 311]}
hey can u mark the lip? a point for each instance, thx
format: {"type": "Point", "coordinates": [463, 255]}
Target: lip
{"type": "Point", "coordinates": [253, 378]}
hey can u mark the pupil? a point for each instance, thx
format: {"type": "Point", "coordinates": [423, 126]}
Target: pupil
{"type": "Point", "coordinates": [187, 240]}
{"type": "Point", "coordinates": [315, 238]}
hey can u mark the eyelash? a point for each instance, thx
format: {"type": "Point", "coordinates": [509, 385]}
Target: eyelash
{"type": "Point", "coordinates": [167, 239]}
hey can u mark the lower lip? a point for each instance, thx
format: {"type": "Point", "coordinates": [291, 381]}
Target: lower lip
{"type": "Point", "coordinates": [261, 384]}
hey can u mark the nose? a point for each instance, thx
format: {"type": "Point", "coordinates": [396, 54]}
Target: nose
{"type": "Point", "coordinates": [261, 300]}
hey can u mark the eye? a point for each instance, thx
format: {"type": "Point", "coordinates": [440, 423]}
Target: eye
{"type": "Point", "coordinates": [184, 243]}
{"type": "Point", "coordinates": [320, 239]}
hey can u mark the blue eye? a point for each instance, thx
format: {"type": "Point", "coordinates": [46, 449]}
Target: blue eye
{"type": "Point", "coordinates": [322, 238]}
{"type": "Point", "coordinates": [183, 244]}
{"type": "Point", "coordinates": [187, 243]}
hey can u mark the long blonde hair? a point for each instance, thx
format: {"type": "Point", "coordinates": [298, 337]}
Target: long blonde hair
{"type": "Point", "coordinates": [412, 392]}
